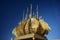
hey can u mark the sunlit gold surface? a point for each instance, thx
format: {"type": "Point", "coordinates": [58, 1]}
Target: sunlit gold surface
{"type": "Point", "coordinates": [25, 28]}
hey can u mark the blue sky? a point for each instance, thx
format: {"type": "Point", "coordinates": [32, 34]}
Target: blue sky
{"type": "Point", "coordinates": [11, 15]}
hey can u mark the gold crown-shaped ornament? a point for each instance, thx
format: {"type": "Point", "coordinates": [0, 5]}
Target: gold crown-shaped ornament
{"type": "Point", "coordinates": [33, 27]}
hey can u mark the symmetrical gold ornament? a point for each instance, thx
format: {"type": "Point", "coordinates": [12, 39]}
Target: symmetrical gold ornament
{"type": "Point", "coordinates": [32, 27]}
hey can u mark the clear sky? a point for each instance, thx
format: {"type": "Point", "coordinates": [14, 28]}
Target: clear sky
{"type": "Point", "coordinates": [11, 15]}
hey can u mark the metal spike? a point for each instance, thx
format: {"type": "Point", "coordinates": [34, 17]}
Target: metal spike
{"type": "Point", "coordinates": [33, 14]}
{"type": "Point", "coordinates": [23, 15]}
{"type": "Point", "coordinates": [30, 16]}
{"type": "Point", "coordinates": [11, 39]}
{"type": "Point", "coordinates": [40, 17]}
{"type": "Point", "coordinates": [26, 14]}
{"type": "Point", "coordinates": [37, 12]}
